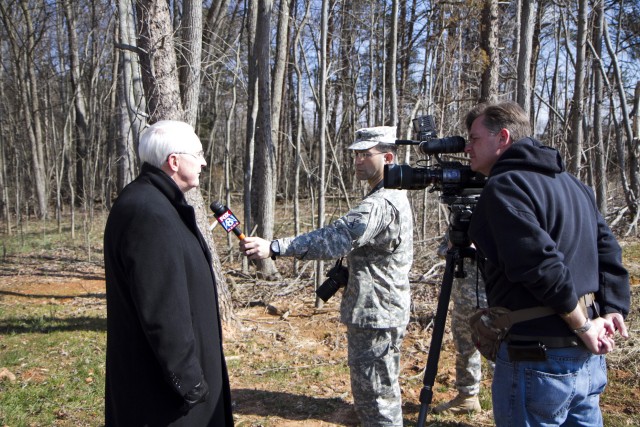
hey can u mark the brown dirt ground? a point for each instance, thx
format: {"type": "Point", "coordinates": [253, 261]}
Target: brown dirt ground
{"type": "Point", "coordinates": [287, 331]}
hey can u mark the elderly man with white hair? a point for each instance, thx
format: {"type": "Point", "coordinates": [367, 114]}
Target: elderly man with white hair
{"type": "Point", "coordinates": [165, 365]}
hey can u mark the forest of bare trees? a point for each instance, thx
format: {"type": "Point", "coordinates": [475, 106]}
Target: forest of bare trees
{"type": "Point", "coordinates": [277, 89]}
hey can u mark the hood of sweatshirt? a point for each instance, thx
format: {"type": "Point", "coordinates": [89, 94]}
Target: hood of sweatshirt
{"type": "Point", "coordinates": [529, 154]}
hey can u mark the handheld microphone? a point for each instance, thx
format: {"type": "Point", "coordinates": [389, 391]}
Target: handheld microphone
{"type": "Point", "coordinates": [227, 219]}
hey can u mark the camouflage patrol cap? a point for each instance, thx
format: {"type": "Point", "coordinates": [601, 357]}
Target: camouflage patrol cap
{"type": "Point", "coordinates": [370, 137]}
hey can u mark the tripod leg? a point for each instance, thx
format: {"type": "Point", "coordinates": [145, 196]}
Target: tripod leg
{"type": "Point", "coordinates": [426, 394]}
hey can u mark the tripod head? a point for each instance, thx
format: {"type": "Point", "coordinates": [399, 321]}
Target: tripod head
{"type": "Point", "coordinates": [460, 211]}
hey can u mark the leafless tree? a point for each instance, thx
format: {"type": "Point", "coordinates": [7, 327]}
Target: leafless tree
{"type": "Point", "coordinates": [491, 56]}
{"type": "Point", "coordinates": [191, 58]}
{"type": "Point", "coordinates": [161, 84]}
{"type": "Point", "coordinates": [263, 176]}
{"type": "Point", "coordinates": [525, 48]}
{"type": "Point", "coordinates": [22, 40]}
{"type": "Point", "coordinates": [79, 101]}
{"type": "Point", "coordinates": [393, 63]}
{"type": "Point", "coordinates": [69, 96]}
{"type": "Point", "coordinates": [600, 164]}
{"type": "Point", "coordinates": [625, 133]}
{"type": "Point", "coordinates": [131, 95]}
{"type": "Point", "coordinates": [577, 104]}
{"type": "Point", "coordinates": [279, 69]}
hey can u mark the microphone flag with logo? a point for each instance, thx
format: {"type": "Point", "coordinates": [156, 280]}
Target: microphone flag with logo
{"type": "Point", "coordinates": [227, 219]}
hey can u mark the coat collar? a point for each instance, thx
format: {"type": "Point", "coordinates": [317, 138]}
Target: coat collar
{"type": "Point", "coordinates": [172, 192]}
{"type": "Point", "coordinates": [164, 183]}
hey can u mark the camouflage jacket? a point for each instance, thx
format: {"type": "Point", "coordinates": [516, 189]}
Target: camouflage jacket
{"type": "Point", "coordinates": [377, 239]}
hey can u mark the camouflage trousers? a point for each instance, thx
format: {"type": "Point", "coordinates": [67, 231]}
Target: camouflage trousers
{"type": "Point", "coordinates": [374, 365]}
{"type": "Point", "coordinates": [468, 359]}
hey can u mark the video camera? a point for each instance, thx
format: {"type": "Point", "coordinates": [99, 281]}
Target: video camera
{"type": "Point", "coordinates": [460, 187]}
{"type": "Point", "coordinates": [453, 179]}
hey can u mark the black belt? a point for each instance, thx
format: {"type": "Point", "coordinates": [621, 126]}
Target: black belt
{"type": "Point", "coordinates": [587, 302]}
{"type": "Point", "coordinates": [549, 342]}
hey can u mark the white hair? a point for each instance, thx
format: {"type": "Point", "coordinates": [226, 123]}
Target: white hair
{"type": "Point", "coordinates": [164, 137]}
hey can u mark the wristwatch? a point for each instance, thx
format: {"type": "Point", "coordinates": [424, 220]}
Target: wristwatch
{"type": "Point", "coordinates": [584, 328]}
{"type": "Point", "coordinates": [275, 249]}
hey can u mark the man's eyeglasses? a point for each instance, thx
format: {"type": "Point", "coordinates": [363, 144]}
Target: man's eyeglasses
{"type": "Point", "coordinates": [197, 156]}
{"type": "Point", "coordinates": [365, 155]}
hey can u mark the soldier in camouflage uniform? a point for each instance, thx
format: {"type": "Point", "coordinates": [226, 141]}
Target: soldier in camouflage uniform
{"type": "Point", "coordinates": [376, 237]}
{"type": "Point", "coordinates": [466, 294]}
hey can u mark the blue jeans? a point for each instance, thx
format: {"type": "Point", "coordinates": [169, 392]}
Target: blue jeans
{"type": "Point", "coordinates": [563, 390]}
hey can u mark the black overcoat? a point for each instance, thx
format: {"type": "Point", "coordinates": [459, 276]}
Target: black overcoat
{"type": "Point", "coordinates": [163, 328]}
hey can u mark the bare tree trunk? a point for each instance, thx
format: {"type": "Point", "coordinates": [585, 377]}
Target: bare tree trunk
{"type": "Point", "coordinates": [191, 58]}
{"type": "Point", "coordinates": [79, 101]}
{"type": "Point", "coordinates": [133, 98]}
{"type": "Point", "coordinates": [215, 17]}
{"type": "Point", "coordinates": [489, 44]}
{"type": "Point", "coordinates": [535, 55]}
{"type": "Point", "coordinates": [158, 59]}
{"type": "Point", "coordinates": [189, 82]}
{"type": "Point", "coordinates": [125, 144]}
{"type": "Point", "coordinates": [630, 189]}
{"type": "Point", "coordinates": [636, 117]}
{"type": "Point", "coordinates": [4, 187]}
{"type": "Point", "coordinates": [393, 61]}
{"type": "Point", "coordinates": [371, 118]}
{"type": "Point", "coordinates": [600, 163]}
{"type": "Point", "coordinates": [228, 138]}
{"type": "Point", "coordinates": [23, 48]}
{"type": "Point", "coordinates": [263, 186]}
{"type": "Point", "coordinates": [550, 131]}
{"type": "Point", "coordinates": [5, 211]}
{"type": "Point", "coordinates": [577, 105]}
{"type": "Point", "coordinates": [280, 66]}
{"type": "Point", "coordinates": [252, 114]}
{"type": "Point", "coordinates": [322, 119]}
{"type": "Point", "coordinates": [298, 130]}
{"type": "Point", "coordinates": [527, 22]}
{"type": "Point", "coordinates": [279, 98]}
{"type": "Point", "coordinates": [70, 179]}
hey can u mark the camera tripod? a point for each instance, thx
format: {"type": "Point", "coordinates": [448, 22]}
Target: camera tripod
{"type": "Point", "coordinates": [454, 267]}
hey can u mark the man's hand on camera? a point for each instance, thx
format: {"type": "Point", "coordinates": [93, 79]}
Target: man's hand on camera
{"type": "Point", "coordinates": [255, 247]}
